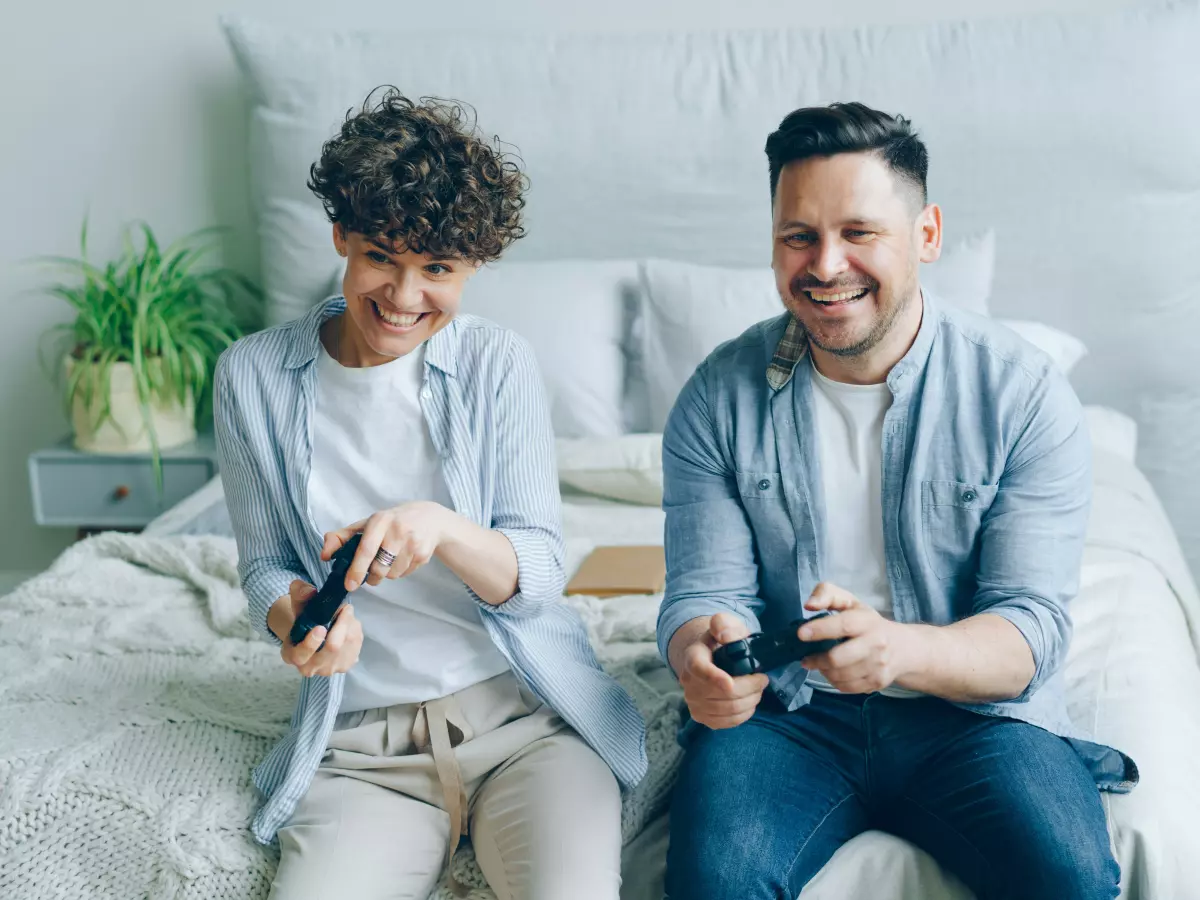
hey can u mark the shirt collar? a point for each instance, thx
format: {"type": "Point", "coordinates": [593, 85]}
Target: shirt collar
{"type": "Point", "coordinates": [441, 350]}
{"type": "Point", "coordinates": [793, 347]}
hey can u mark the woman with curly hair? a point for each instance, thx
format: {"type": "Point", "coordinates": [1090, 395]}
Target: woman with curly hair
{"type": "Point", "coordinates": [457, 694]}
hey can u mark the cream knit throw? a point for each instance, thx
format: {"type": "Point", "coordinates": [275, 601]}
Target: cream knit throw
{"type": "Point", "coordinates": [135, 699]}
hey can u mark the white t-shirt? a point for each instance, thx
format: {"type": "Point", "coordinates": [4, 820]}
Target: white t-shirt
{"type": "Point", "coordinates": [423, 636]}
{"type": "Point", "coordinates": [849, 425]}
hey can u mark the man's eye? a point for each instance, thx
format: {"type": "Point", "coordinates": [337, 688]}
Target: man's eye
{"type": "Point", "coordinates": [377, 257]}
{"type": "Point", "coordinates": [801, 237]}
{"type": "Point", "coordinates": [859, 235]}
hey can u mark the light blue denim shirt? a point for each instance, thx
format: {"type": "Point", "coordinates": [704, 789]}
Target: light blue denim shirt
{"type": "Point", "coordinates": [986, 489]}
{"type": "Point", "coordinates": [483, 403]}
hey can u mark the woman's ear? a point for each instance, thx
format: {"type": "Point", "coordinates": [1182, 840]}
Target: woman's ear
{"type": "Point", "coordinates": [339, 238]}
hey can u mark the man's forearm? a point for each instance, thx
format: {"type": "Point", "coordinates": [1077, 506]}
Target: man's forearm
{"type": "Point", "coordinates": [982, 659]}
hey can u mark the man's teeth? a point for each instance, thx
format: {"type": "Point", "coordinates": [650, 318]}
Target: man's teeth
{"type": "Point", "coordinates": [400, 320]}
{"type": "Point", "coordinates": [836, 298]}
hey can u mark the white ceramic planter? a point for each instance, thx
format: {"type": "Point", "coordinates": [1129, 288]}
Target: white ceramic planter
{"type": "Point", "coordinates": [124, 431]}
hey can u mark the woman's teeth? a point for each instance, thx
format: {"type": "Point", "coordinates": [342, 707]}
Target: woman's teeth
{"type": "Point", "coordinates": [400, 320]}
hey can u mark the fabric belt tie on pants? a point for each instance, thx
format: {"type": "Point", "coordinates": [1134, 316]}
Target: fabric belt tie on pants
{"type": "Point", "coordinates": [438, 728]}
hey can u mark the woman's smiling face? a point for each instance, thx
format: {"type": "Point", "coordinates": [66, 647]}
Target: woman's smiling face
{"type": "Point", "coordinates": [395, 299]}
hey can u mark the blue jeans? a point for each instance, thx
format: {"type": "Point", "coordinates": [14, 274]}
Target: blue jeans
{"type": "Point", "coordinates": [1006, 806]}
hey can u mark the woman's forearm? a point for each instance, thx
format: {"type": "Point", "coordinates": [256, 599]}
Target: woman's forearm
{"type": "Point", "coordinates": [482, 557]}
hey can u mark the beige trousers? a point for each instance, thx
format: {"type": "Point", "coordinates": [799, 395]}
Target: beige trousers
{"type": "Point", "coordinates": [542, 809]}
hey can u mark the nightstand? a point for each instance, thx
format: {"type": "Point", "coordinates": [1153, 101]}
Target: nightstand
{"type": "Point", "coordinates": [97, 491]}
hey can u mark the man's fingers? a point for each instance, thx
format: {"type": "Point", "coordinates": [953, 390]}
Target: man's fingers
{"type": "Point", "coordinates": [843, 655]}
{"type": "Point", "coordinates": [726, 627]}
{"type": "Point", "coordinates": [698, 665]}
{"type": "Point", "coordinates": [851, 623]}
{"type": "Point", "coordinates": [830, 596]}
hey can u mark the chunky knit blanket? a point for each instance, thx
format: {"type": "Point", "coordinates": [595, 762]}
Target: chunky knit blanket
{"type": "Point", "coordinates": [135, 699]}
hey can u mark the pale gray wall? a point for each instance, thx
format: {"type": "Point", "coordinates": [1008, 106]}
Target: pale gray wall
{"type": "Point", "coordinates": [132, 109]}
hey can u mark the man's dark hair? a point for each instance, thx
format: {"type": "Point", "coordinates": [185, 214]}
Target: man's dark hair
{"type": "Point", "coordinates": [422, 176]}
{"type": "Point", "coordinates": [849, 128]}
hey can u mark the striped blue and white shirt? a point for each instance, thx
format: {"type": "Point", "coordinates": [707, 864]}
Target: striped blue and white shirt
{"type": "Point", "coordinates": [483, 403]}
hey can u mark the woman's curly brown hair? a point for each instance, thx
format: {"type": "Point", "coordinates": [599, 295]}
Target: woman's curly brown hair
{"type": "Point", "coordinates": [421, 175]}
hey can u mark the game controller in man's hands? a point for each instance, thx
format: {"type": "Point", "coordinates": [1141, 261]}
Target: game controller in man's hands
{"type": "Point", "coordinates": [763, 652]}
{"type": "Point", "coordinates": [323, 607]}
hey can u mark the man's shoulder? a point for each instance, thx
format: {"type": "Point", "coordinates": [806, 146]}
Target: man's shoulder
{"type": "Point", "coordinates": [990, 346]}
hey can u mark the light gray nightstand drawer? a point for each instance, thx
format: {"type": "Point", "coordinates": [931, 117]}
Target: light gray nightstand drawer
{"type": "Point", "coordinates": [110, 491]}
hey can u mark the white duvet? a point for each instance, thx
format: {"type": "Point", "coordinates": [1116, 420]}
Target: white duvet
{"type": "Point", "coordinates": [133, 702]}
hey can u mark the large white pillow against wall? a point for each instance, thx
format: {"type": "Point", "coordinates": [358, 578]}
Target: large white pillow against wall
{"type": "Point", "coordinates": [688, 310]}
{"type": "Point", "coordinates": [573, 314]}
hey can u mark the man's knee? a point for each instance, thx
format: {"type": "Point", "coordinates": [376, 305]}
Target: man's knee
{"type": "Point", "coordinates": [717, 866]}
{"type": "Point", "coordinates": [1077, 867]}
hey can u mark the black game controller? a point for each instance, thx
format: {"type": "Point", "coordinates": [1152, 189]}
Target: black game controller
{"type": "Point", "coordinates": [763, 652]}
{"type": "Point", "coordinates": [324, 605]}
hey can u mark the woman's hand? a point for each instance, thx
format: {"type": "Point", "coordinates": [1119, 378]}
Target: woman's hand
{"type": "Point", "coordinates": [411, 532]}
{"type": "Point", "coordinates": [342, 644]}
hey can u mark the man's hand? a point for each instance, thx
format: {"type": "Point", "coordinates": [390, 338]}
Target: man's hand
{"type": "Point", "coordinates": [342, 645]}
{"type": "Point", "coordinates": [877, 651]}
{"type": "Point", "coordinates": [714, 697]}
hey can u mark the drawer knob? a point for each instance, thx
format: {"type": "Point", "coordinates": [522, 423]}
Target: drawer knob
{"type": "Point", "coordinates": [121, 492]}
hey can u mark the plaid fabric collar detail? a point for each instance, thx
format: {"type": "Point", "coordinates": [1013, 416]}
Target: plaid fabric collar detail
{"type": "Point", "coordinates": [792, 348]}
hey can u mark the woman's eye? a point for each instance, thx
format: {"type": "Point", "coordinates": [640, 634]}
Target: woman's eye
{"type": "Point", "coordinates": [377, 257]}
{"type": "Point", "coordinates": [437, 269]}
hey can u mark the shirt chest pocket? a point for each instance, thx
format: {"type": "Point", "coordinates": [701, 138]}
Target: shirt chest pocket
{"type": "Point", "coordinates": [952, 514]}
{"type": "Point", "coordinates": [760, 486]}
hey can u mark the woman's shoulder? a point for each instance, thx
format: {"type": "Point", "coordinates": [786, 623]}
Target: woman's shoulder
{"type": "Point", "coordinates": [268, 348]}
{"type": "Point", "coordinates": [483, 344]}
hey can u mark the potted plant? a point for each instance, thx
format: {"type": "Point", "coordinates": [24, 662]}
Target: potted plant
{"type": "Point", "coordinates": [148, 328]}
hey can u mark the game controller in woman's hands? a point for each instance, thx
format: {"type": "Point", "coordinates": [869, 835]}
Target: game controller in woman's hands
{"type": "Point", "coordinates": [763, 652]}
{"type": "Point", "coordinates": [323, 607]}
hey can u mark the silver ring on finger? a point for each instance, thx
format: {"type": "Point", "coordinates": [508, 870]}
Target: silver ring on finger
{"type": "Point", "coordinates": [384, 558]}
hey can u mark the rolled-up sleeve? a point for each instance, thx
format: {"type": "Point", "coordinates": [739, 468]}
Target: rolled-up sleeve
{"type": "Point", "coordinates": [1032, 537]}
{"type": "Point", "coordinates": [267, 565]}
{"type": "Point", "coordinates": [526, 507]}
{"type": "Point", "coordinates": [711, 562]}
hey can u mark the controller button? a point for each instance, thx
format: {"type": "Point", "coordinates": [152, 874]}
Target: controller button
{"type": "Point", "coordinates": [764, 484]}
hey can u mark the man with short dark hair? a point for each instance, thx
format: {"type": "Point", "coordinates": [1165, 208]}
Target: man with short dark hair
{"type": "Point", "coordinates": [924, 475]}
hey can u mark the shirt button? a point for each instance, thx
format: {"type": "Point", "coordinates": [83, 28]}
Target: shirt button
{"type": "Point", "coordinates": [969, 496]}
{"type": "Point", "coordinates": [764, 484]}
{"type": "Point", "coordinates": [424, 393]}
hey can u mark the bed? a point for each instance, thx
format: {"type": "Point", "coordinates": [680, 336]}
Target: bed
{"type": "Point", "coordinates": [134, 698]}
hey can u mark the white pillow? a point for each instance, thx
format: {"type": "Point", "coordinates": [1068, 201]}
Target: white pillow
{"type": "Point", "coordinates": [626, 468]}
{"type": "Point", "coordinates": [963, 274]}
{"type": "Point", "coordinates": [687, 310]}
{"type": "Point", "coordinates": [1065, 349]}
{"type": "Point", "coordinates": [1112, 432]}
{"type": "Point", "coordinates": [574, 315]}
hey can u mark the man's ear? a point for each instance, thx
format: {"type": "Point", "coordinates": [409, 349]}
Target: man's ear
{"type": "Point", "coordinates": [929, 226]}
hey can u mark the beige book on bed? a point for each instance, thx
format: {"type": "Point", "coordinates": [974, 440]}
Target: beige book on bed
{"type": "Point", "coordinates": [617, 571]}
